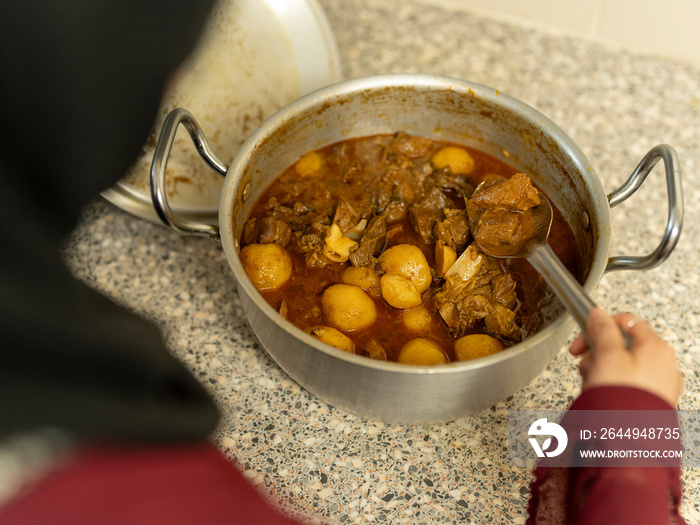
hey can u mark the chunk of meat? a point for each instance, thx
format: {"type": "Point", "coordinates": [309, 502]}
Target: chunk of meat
{"type": "Point", "coordinates": [316, 260]}
{"type": "Point", "coordinates": [464, 314]}
{"type": "Point", "coordinates": [300, 208]}
{"type": "Point", "coordinates": [323, 204]}
{"type": "Point", "coordinates": [288, 215]}
{"type": "Point", "coordinates": [404, 191]}
{"type": "Point", "coordinates": [371, 244]}
{"type": "Point", "coordinates": [500, 320]}
{"type": "Point", "coordinates": [346, 163]}
{"type": "Point", "coordinates": [395, 210]}
{"type": "Point", "coordinates": [382, 195]}
{"type": "Point", "coordinates": [500, 232]}
{"type": "Point", "coordinates": [444, 179]}
{"type": "Point", "coordinates": [410, 146]}
{"type": "Point", "coordinates": [500, 214]}
{"type": "Point", "coordinates": [478, 291]}
{"type": "Point", "coordinates": [371, 152]}
{"type": "Point", "coordinates": [367, 203]}
{"type": "Point", "coordinates": [266, 230]}
{"type": "Point", "coordinates": [346, 217]}
{"type": "Point", "coordinates": [426, 213]}
{"type": "Point", "coordinates": [311, 241]}
{"type": "Point", "coordinates": [250, 231]}
{"type": "Point", "coordinates": [274, 230]}
{"type": "Point", "coordinates": [399, 161]}
{"type": "Point", "coordinates": [503, 290]}
{"type": "Point", "coordinates": [515, 194]}
{"type": "Point", "coordinates": [395, 193]}
{"type": "Point", "coordinates": [453, 230]}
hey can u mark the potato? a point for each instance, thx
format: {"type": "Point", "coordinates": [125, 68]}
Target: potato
{"type": "Point", "coordinates": [476, 345]}
{"type": "Point", "coordinates": [458, 159]}
{"type": "Point", "coordinates": [361, 276]}
{"type": "Point", "coordinates": [309, 165]}
{"type": "Point", "coordinates": [444, 258]}
{"type": "Point", "coordinates": [407, 260]}
{"type": "Point", "coordinates": [268, 266]}
{"type": "Point", "coordinates": [348, 308]}
{"type": "Point", "coordinates": [422, 351]}
{"type": "Point", "coordinates": [332, 337]}
{"type": "Point", "coordinates": [416, 319]}
{"type": "Point", "coordinates": [399, 291]}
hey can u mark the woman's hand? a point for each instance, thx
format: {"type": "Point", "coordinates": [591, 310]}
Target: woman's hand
{"type": "Point", "coordinates": [650, 364]}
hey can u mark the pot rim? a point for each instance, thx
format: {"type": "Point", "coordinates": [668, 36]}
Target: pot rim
{"type": "Point", "coordinates": [335, 92]}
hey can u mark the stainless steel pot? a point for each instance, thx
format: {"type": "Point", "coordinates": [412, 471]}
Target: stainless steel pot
{"type": "Point", "coordinates": [442, 108]}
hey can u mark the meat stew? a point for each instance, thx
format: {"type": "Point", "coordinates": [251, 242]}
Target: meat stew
{"type": "Point", "coordinates": [365, 244]}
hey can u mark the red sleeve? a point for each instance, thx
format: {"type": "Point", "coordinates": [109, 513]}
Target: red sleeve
{"type": "Point", "coordinates": [177, 485]}
{"type": "Point", "coordinates": [619, 398]}
{"type": "Point", "coordinates": [620, 495]}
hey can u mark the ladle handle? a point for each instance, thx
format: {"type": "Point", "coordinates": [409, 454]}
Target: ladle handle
{"type": "Point", "coordinates": [569, 291]}
{"type": "Point", "coordinates": [160, 161]}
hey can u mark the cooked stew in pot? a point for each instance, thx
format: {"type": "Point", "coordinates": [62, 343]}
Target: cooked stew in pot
{"type": "Point", "coordinates": [365, 245]}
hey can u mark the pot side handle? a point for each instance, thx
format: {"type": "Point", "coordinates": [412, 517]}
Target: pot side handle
{"type": "Point", "coordinates": [160, 160]}
{"type": "Point", "coordinates": [675, 208]}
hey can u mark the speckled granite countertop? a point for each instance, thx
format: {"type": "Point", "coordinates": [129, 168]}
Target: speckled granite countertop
{"type": "Point", "coordinates": [329, 467]}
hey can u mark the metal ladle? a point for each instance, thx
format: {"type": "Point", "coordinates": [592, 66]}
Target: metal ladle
{"type": "Point", "coordinates": [540, 255]}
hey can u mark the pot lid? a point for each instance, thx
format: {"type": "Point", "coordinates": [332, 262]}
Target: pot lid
{"type": "Point", "coordinates": [254, 57]}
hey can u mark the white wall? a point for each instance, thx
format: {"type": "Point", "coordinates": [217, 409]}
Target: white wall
{"type": "Point", "coordinates": [667, 27]}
